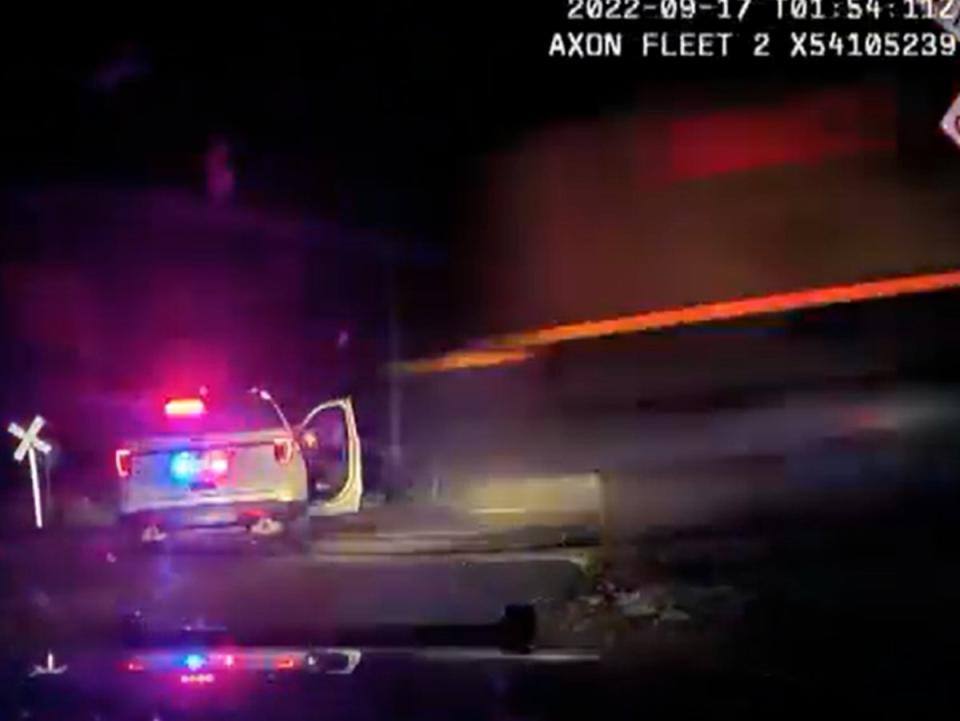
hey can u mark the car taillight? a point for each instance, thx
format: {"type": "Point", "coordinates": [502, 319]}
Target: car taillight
{"type": "Point", "coordinates": [283, 449]}
{"type": "Point", "coordinates": [124, 461]}
{"type": "Point", "coordinates": [217, 463]}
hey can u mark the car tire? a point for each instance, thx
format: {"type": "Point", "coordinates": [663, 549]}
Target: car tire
{"type": "Point", "coordinates": [299, 530]}
{"type": "Point", "coordinates": [131, 537]}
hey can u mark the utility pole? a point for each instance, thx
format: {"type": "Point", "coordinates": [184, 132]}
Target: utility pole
{"type": "Point", "coordinates": [395, 397]}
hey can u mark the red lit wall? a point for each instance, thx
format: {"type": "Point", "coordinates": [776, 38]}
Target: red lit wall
{"type": "Point", "coordinates": [619, 215]}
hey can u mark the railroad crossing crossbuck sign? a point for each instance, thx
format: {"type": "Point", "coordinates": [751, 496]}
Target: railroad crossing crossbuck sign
{"type": "Point", "coordinates": [947, 13]}
{"type": "Point", "coordinates": [951, 122]}
{"type": "Point", "coordinates": [29, 444]}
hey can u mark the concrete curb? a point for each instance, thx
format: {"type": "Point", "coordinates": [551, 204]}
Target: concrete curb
{"type": "Point", "coordinates": [459, 541]}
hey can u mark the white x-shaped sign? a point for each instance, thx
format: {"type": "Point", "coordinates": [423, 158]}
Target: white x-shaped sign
{"type": "Point", "coordinates": [947, 13]}
{"type": "Point", "coordinates": [951, 121]}
{"type": "Point", "coordinates": [29, 444]}
{"type": "Point", "coordinates": [28, 438]}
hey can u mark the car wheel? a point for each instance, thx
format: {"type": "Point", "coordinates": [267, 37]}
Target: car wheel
{"type": "Point", "coordinates": [299, 531]}
{"type": "Point", "coordinates": [140, 538]}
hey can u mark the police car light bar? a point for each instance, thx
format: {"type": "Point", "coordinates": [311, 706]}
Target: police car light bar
{"type": "Point", "coordinates": [179, 407]}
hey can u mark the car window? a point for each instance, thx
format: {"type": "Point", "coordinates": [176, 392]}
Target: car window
{"type": "Point", "coordinates": [221, 415]}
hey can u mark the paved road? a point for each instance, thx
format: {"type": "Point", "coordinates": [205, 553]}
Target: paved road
{"type": "Point", "coordinates": [59, 586]}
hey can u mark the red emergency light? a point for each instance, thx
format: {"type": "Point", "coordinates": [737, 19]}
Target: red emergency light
{"type": "Point", "coordinates": [218, 463]}
{"type": "Point", "coordinates": [184, 407]}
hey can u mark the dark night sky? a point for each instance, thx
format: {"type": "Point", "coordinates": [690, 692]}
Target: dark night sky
{"type": "Point", "coordinates": [370, 113]}
{"type": "Point", "coordinates": [376, 114]}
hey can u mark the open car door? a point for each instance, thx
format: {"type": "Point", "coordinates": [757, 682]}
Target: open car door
{"type": "Point", "coordinates": [330, 444]}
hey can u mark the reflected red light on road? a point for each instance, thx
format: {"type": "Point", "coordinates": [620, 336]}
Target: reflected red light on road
{"type": "Point", "coordinates": [196, 679]}
{"type": "Point", "coordinates": [286, 662]}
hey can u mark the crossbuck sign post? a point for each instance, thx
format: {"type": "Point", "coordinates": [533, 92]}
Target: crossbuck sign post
{"type": "Point", "coordinates": [29, 444]}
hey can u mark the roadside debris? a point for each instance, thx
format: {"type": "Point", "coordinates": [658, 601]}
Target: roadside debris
{"type": "Point", "coordinates": [609, 613]}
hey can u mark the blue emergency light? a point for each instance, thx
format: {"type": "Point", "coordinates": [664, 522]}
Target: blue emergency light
{"type": "Point", "coordinates": [184, 466]}
{"type": "Point", "coordinates": [194, 661]}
